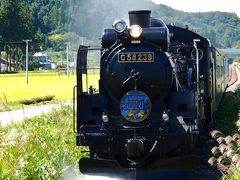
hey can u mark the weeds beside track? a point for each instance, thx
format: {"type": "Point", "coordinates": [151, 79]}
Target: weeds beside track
{"type": "Point", "coordinates": [39, 148]}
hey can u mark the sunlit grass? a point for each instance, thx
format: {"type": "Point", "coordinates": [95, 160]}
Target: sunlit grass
{"type": "Point", "coordinates": [15, 88]}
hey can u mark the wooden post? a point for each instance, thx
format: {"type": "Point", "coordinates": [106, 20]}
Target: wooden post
{"type": "Point", "coordinates": [27, 41]}
{"type": "Point", "coordinates": [0, 61]}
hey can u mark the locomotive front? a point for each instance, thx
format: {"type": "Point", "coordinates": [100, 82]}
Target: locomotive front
{"type": "Point", "coordinates": [136, 76]}
{"type": "Point", "coordinates": [136, 73]}
{"type": "Point", "coordinates": [136, 112]}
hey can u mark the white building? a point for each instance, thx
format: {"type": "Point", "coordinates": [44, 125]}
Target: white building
{"type": "Point", "coordinates": [43, 61]}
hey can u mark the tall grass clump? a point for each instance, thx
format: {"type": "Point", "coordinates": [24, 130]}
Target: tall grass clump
{"type": "Point", "coordinates": [4, 105]}
{"type": "Point", "coordinates": [36, 100]}
{"type": "Point", "coordinates": [39, 148]}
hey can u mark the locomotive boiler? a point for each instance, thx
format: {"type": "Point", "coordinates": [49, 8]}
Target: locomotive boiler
{"type": "Point", "coordinates": [158, 88]}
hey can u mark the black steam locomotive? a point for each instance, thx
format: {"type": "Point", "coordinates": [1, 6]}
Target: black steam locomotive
{"type": "Point", "coordinates": [158, 88]}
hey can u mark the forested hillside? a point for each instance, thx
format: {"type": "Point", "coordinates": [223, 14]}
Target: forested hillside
{"type": "Point", "coordinates": [48, 22]}
{"type": "Point", "coordinates": [221, 28]}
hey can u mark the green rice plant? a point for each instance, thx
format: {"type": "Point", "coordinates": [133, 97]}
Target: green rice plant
{"type": "Point", "coordinates": [39, 148]}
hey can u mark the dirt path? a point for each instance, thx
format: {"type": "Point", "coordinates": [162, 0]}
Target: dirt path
{"type": "Point", "coordinates": [9, 117]}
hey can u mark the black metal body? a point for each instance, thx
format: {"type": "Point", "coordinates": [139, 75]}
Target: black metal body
{"type": "Point", "coordinates": [175, 83]}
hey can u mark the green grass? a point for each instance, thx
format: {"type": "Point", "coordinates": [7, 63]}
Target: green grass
{"type": "Point", "coordinates": [39, 148]}
{"type": "Point", "coordinates": [225, 121]}
{"type": "Point", "coordinates": [228, 113]}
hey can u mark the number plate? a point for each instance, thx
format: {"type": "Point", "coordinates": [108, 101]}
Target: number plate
{"type": "Point", "coordinates": [135, 57]}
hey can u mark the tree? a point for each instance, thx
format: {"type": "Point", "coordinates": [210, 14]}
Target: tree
{"type": "Point", "coordinates": [0, 53]}
{"type": "Point", "coordinates": [56, 42]}
{"type": "Point", "coordinates": [16, 24]}
{"type": "Point", "coordinates": [237, 44]}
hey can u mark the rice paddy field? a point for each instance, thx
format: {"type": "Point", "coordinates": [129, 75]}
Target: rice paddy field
{"type": "Point", "coordinates": [13, 87]}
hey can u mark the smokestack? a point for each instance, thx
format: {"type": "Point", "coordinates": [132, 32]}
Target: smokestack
{"type": "Point", "coordinates": [140, 17]}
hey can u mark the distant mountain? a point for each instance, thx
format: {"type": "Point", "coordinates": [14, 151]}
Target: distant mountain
{"type": "Point", "coordinates": [88, 18]}
{"type": "Point", "coordinates": [221, 28]}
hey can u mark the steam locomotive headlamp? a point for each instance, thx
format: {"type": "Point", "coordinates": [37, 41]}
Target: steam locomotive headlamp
{"type": "Point", "coordinates": [135, 31]}
{"type": "Point", "coordinates": [165, 116]}
{"type": "Point", "coordinates": [105, 118]}
{"type": "Point", "coordinates": [119, 26]}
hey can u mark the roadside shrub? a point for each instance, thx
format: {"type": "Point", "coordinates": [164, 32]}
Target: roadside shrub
{"type": "Point", "coordinates": [36, 100]}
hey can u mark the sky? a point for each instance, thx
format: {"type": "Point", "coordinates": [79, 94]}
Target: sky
{"type": "Point", "coordinates": [203, 5]}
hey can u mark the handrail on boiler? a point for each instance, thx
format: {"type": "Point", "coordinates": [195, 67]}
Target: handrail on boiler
{"type": "Point", "coordinates": [195, 41]}
{"type": "Point", "coordinates": [74, 108]}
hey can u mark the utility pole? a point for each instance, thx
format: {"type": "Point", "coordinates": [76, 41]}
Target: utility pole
{"type": "Point", "coordinates": [0, 60]}
{"type": "Point", "coordinates": [82, 40]}
{"type": "Point", "coordinates": [27, 41]}
{"type": "Point", "coordinates": [67, 47]}
{"type": "Point", "coordinates": [75, 59]}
